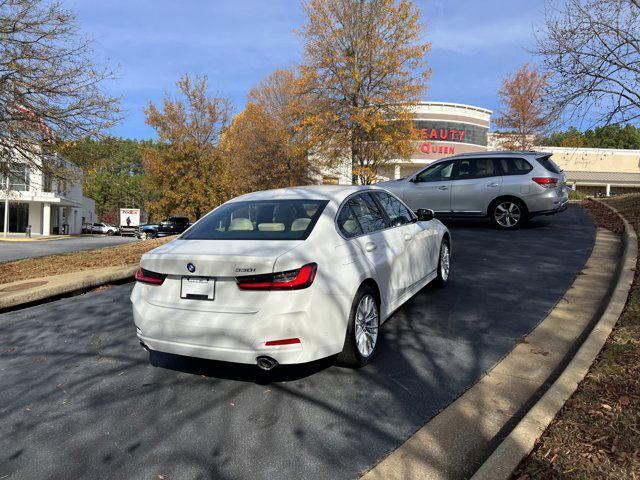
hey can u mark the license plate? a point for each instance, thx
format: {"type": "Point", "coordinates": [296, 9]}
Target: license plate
{"type": "Point", "coordinates": [198, 288]}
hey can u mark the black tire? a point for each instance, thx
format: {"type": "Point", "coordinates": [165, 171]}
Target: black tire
{"type": "Point", "coordinates": [109, 233]}
{"type": "Point", "coordinates": [444, 274]}
{"type": "Point", "coordinates": [508, 214]}
{"type": "Point", "coordinates": [351, 355]}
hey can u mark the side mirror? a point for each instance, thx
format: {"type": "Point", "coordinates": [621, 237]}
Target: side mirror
{"type": "Point", "coordinates": [425, 214]}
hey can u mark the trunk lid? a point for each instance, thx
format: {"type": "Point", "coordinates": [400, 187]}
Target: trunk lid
{"type": "Point", "coordinates": [221, 260]}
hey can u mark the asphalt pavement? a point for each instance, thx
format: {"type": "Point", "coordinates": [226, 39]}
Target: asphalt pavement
{"type": "Point", "coordinates": [10, 251]}
{"type": "Point", "coordinates": [80, 399]}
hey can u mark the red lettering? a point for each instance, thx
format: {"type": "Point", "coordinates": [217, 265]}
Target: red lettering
{"type": "Point", "coordinates": [444, 134]}
{"type": "Point", "coordinates": [425, 147]}
{"type": "Point", "coordinates": [454, 134]}
{"type": "Point", "coordinates": [462, 136]}
{"type": "Point", "coordinates": [423, 133]}
{"type": "Point", "coordinates": [433, 134]}
{"type": "Point", "coordinates": [452, 150]}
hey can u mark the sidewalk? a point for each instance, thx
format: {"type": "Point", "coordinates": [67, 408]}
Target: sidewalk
{"type": "Point", "coordinates": [23, 292]}
{"type": "Point", "coordinates": [20, 237]}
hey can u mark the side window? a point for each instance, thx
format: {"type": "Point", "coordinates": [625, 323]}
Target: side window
{"type": "Point", "coordinates": [394, 208]}
{"type": "Point", "coordinates": [436, 173]}
{"type": "Point", "coordinates": [348, 223]}
{"type": "Point", "coordinates": [514, 166]}
{"type": "Point", "coordinates": [476, 168]}
{"type": "Point", "coordinates": [366, 213]}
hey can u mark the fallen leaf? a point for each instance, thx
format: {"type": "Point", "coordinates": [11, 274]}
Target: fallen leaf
{"type": "Point", "coordinates": [624, 400]}
{"type": "Point", "coordinates": [539, 351]}
{"type": "Point", "coordinates": [605, 406]}
{"type": "Point", "coordinates": [60, 385]}
{"type": "Point", "coordinates": [160, 477]}
{"type": "Point", "coordinates": [9, 350]}
{"type": "Point", "coordinates": [232, 404]}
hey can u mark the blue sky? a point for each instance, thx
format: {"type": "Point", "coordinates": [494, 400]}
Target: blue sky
{"type": "Point", "coordinates": [236, 43]}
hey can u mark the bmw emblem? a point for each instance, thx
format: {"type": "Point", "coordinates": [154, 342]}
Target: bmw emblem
{"type": "Point", "coordinates": [191, 267]}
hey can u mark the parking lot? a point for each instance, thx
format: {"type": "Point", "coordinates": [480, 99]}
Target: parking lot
{"type": "Point", "coordinates": [80, 398]}
{"type": "Point", "coordinates": [10, 251]}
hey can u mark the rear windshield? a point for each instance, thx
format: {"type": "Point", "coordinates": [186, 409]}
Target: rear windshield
{"type": "Point", "coordinates": [549, 164]}
{"type": "Point", "coordinates": [259, 220]}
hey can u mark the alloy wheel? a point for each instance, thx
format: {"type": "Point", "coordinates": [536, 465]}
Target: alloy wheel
{"type": "Point", "coordinates": [366, 323]}
{"type": "Point", "coordinates": [445, 259]}
{"type": "Point", "coordinates": [508, 214]}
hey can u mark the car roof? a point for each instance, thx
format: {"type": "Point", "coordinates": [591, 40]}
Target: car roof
{"type": "Point", "coordinates": [335, 193]}
{"type": "Point", "coordinates": [498, 153]}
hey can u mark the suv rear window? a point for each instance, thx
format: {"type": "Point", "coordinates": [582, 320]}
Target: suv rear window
{"type": "Point", "coordinates": [259, 220]}
{"type": "Point", "coordinates": [514, 166]}
{"type": "Point", "coordinates": [549, 164]}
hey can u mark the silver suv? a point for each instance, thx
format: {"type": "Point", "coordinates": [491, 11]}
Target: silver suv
{"type": "Point", "coordinates": [507, 186]}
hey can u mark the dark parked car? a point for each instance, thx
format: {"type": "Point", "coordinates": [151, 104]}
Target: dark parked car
{"type": "Point", "coordinates": [147, 230]}
{"type": "Point", "coordinates": [172, 226]}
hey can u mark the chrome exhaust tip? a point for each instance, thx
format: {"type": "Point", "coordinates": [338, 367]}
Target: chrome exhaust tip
{"type": "Point", "coordinates": [266, 363]}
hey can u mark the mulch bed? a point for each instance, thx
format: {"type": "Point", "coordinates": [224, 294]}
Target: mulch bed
{"type": "Point", "coordinates": [596, 435]}
{"type": "Point", "coordinates": [603, 216]}
{"type": "Point", "coordinates": [128, 254]}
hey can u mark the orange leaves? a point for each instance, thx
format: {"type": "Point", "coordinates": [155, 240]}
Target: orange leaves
{"type": "Point", "coordinates": [523, 109]}
{"type": "Point", "coordinates": [364, 63]}
{"type": "Point", "coordinates": [187, 167]}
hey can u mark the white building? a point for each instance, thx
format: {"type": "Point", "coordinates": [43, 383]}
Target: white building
{"type": "Point", "coordinates": [48, 205]}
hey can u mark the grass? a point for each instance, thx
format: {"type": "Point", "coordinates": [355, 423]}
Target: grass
{"type": "Point", "coordinates": [597, 433]}
{"type": "Point", "coordinates": [72, 262]}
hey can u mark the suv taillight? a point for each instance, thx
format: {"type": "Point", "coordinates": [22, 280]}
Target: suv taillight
{"type": "Point", "coordinates": [546, 182]}
{"type": "Point", "coordinates": [290, 280]}
{"type": "Point", "coordinates": [149, 277]}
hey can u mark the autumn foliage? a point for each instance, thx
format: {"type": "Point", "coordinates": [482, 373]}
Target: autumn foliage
{"type": "Point", "coordinates": [364, 63]}
{"type": "Point", "coordinates": [266, 142]}
{"type": "Point", "coordinates": [524, 113]}
{"type": "Point", "coordinates": [188, 169]}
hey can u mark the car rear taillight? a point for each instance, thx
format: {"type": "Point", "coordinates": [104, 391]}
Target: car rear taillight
{"type": "Point", "coordinates": [290, 280]}
{"type": "Point", "coordinates": [149, 277]}
{"type": "Point", "coordinates": [546, 182]}
{"type": "Point", "coordinates": [286, 341]}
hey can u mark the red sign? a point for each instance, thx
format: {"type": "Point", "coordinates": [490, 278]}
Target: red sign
{"type": "Point", "coordinates": [442, 134]}
{"type": "Point", "coordinates": [428, 147]}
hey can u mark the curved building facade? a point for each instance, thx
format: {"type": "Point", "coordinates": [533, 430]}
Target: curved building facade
{"type": "Point", "coordinates": [443, 129]}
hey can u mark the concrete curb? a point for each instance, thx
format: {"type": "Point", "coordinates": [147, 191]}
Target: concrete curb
{"type": "Point", "coordinates": [17, 294]}
{"type": "Point", "coordinates": [521, 440]}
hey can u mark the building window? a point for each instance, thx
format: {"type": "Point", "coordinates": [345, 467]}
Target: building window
{"type": "Point", "coordinates": [18, 177]}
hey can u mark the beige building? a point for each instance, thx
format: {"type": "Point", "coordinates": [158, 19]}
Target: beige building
{"type": "Point", "coordinates": [599, 171]}
{"type": "Point", "coordinates": [443, 129]}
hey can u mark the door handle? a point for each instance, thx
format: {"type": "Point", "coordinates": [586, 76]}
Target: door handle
{"type": "Point", "coordinates": [493, 185]}
{"type": "Point", "coordinates": [370, 246]}
{"type": "Point", "coordinates": [443, 187]}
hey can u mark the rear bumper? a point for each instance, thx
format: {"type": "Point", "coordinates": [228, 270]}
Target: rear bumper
{"type": "Point", "coordinates": [560, 207]}
{"type": "Point", "coordinates": [241, 338]}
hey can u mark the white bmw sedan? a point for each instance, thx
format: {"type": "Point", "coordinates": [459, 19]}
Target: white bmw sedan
{"type": "Point", "coordinates": [288, 276]}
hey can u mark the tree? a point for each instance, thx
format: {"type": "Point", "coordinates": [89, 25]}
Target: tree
{"type": "Point", "coordinates": [592, 49]}
{"type": "Point", "coordinates": [49, 85]}
{"type": "Point", "coordinates": [266, 141]}
{"type": "Point", "coordinates": [187, 167]}
{"type": "Point", "coordinates": [112, 172]}
{"type": "Point", "coordinates": [523, 113]}
{"type": "Point", "coordinates": [608, 136]}
{"type": "Point", "coordinates": [364, 65]}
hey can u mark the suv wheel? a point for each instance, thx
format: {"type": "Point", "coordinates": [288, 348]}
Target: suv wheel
{"type": "Point", "coordinates": [109, 232]}
{"type": "Point", "coordinates": [508, 214]}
